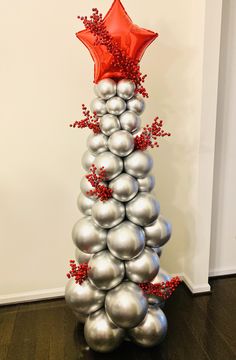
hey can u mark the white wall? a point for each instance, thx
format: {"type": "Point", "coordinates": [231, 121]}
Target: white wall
{"type": "Point", "coordinates": [45, 75]}
{"type": "Point", "coordinates": [223, 244]}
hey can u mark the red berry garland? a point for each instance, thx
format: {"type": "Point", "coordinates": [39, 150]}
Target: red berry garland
{"type": "Point", "coordinates": [95, 178]}
{"type": "Point", "coordinates": [129, 68]}
{"type": "Point", "coordinates": [163, 290]}
{"type": "Point", "coordinates": [79, 272]}
{"type": "Point", "coordinates": [148, 137]}
{"type": "Point", "coordinates": [90, 121]}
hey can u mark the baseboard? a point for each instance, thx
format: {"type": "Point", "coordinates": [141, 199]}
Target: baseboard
{"type": "Point", "coordinates": [222, 272]}
{"type": "Point", "coordinates": [37, 295]}
{"type": "Point", "coordinates": [196, 289]}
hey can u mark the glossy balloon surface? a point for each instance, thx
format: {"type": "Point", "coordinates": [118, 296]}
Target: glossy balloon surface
{"type": "Point", "coordinates": [101, 334]}
{"type": "Point", "coordinates": [126, 240]}
{"type": "Point", "coordinates": [89, 237]}
{"type": "Point", "coordinates": [126, 305]}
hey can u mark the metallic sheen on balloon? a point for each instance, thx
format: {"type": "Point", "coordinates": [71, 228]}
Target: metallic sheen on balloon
{"type": "Point", "coordinates": [86, 187]}
{"type": "Point", "coordinates": [97, 143]}
{"type": "Point", "coordinates": [87, 160]}
{"type": "Point", "coordinates": [101, 334]}
{"type": "Point", "coordinates": [98, 106]}
{"type": "Point", "coordinates": [138, 164]}
{"type": "Point", "coordinates": [126, 89]}
{"type": "Point", "coordinates": [130, 121]}
{"type": "Point", "coordinates": [126, 305]}
{"type": "Point", "coordinates": [121, 143]}
{"type": "Point", "coordinates": [109, 124]}
{"type": "Point", "coordinates": [105, 89]}
{"type": "Point", "coordinates": [146, 184]}
{"type": "Point", "coordinates": [124, 187]}
{"type": "Point", "coordinates": [108, 214]}
{"type": "Point", "coordinates": [136, 104]}
{"type": "Point", "coordinates": [143, 210]}
{"type": "Point", "coordinates": [85, 298]}
{"type": "Point", "coordinates": [152, 330]}
{"type": "Point", "coordinates": [143, 268]}
{"type": "Point", "coordinates": [89, 237]}
{"type": "Point", "coordinates": [106, 271]}
{"type": "Point", "coordinates": [158, 233]}
{"type": "Point", "coordinates": [85, 204]}
{"type": "Point", "coordinates": [115, 106]}
{"type": "Point", "coordinates": [112, 164]}
{"type": "Point", "coordinates": [81, 257]}
{"type": "Point", "coordinates": [126, 241]}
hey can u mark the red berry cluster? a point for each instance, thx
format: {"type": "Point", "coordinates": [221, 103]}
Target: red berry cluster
{"type": "Point", "coordinates": [163, 290]}
{"type": "Point", "coordinates": [90, 121]}
{"type": "Point", "coordinates": [79, 272]}
{"type": "Point", "coordinates": [96, 178]}
{"type": "Point", "coordinates": [129, 68]}
{"type": "Point", "coordinates": [148, 137]}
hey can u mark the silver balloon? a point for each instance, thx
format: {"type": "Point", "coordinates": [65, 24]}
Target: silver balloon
{"type": "Point", "coordinates": [158, 233]}
{"type": "Point", "coordinates": [152, 329]}
{"type": "Point", "coordinates": [124, 187]}
{"type": "Point", "coordinates": [97, 143]}
{"type": "Point", "coordinates": [111, 163]}
{"type": "Point", "coordinates": [158, 251]}
{"type": "Point", "coordinates": [116, 106]}
{"type": "Point", "coordinates": [126, 241]}
{"type": "Point", "coordinates": [85, 204]}
{"type": "Point", "coordinates": [136, 104]}
{"type": "Point", "coordinates": [130, 121]}
{"type": "Point", "coordinates": [138, 164]}
{"type": "Point", "coordinates": [106, 271]}
{"type": "Point", "coordinates": [89, 237]}
{"type": "Point", "coordinates": [125, 89]}
{"type": "Point", "coordinates": [86, 187]}
{"type": "Point", "coordinates": [98, 106]}
{"type": "Point", "coordinates": [121, 143]}
{"type": "Point", "coordinates": [108, 214]}
{"type": "Point", "coordinates": [87, 160]}
{"type": "Point", "coordinates": [143, 268]}
{"type": "Point", "coordinates": [161, 277]}
{"type": "Point", "coordinates": [85, 298]}
{"type": "Point", "coordinates": [81, 257]}
{"type": "Point", "coordinates": [109, 124]}
{"type": "Point", "coordinates": [146, 184]}
{"type": "Point", "coordinates": [105, 89]}
{"type": "Point", "coordinates": [143, 210]}
{"type": "Point", "coordinates": [101, 334]}
{"type": "Point", "coordinates": [126, 305]}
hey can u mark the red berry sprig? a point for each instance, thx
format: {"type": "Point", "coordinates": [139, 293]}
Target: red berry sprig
{"type": "Point", "coordinates": [148, 137]}
{"type": "Point", "coordinates": [96, 178]}
{"type": "Point", "coordinates": [163, 290]}
{"type": "Point", "coordinates": [79, 272]}
{"type": "Point", "coordinates": [129, 68]}
{"type": "Point", "coordinates": [90, 121]}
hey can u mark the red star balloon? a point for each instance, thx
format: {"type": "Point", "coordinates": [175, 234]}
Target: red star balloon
{"type": "Point", "coordinates": [131, 38]}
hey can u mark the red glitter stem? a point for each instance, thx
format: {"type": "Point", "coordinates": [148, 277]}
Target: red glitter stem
{"type": "Point", "coordinates": [148, 137]}
{"type": "Point", "coordinates": [96, 178]}
{"type": "Point", "coordinates": [163, 290]}
{"type": "Point", "coordinates": [79, 272]}
{"type": "Point", "coordinates": [90, 121]}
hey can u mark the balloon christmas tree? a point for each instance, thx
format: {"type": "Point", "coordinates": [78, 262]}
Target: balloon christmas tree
{"type": "Point", "coordinates": [115, 285]}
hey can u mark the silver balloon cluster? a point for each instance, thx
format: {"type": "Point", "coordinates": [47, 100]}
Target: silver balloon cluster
{"type": "Point", "coordinates": [120, 239]}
